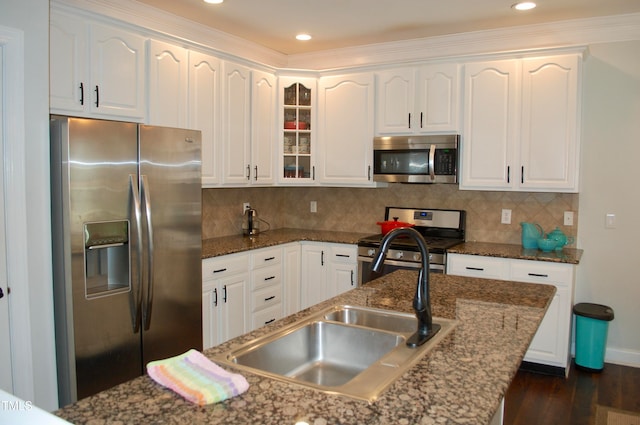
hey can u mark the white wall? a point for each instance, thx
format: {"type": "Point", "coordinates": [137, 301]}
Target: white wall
{"type": "Point", "coordinates": [32, 17]}
{"type": "Point", "coordinates": [609, 272]}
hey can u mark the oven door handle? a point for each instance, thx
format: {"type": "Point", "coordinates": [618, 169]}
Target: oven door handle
{"type": "Point", "coordinates": [406, 264]}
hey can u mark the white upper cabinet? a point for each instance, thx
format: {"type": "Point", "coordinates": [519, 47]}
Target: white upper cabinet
{"type": "Point", "coordinates": [97, 70]}
{"type": "Point", "coordinates": [550, 123]}
{"type": "Point", "coordinates": [236, 127]}
{"type": "Point", "coordinates": [417, 100]}
{"type": "Point", "coordinates": [204, 111]}
{"type": "Point", "coordinates": [263, 127]}
{"type": "Point", "coordinates": [168, 84]}
{"type": "Point", "coordinates": [345, 129]}
{"type": "Point", "coordinates": [521, 124]}
{"type": "Point", "coordinates": [248, 129]}
{"type": "Point", "coordinates": [490, 102]}
{"type": "Point", "coordinates": [298, 97]}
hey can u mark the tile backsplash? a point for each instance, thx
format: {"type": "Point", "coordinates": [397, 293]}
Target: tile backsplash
{"type": "Point", "coordinates": [355, 209]}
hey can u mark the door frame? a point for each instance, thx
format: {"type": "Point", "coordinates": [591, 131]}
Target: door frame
{"type": "Point", "coordinates": [14, 173]}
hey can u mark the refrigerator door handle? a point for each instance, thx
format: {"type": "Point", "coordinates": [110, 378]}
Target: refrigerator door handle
{"type": "Point", "coordinates": [135, 295]}
{"type": "Point", "coordinates": [146, 199]}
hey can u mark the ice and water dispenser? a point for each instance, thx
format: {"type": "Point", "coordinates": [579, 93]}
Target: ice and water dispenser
{"type": "Point", "coordinates": [106, 258]}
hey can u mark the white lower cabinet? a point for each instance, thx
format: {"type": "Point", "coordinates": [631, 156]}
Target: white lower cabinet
{"type": "Point", "coordinates": [327, 270]}
{"type": "Point", "coordinates": [225, 290]}
{"type": "Point", "coordinates": [245, 291]}
{"type": "Point", "coordinates": [551, 344]}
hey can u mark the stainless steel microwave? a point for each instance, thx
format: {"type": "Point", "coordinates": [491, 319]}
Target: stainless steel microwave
{"type": "Point", "coordinates": [416, 159]}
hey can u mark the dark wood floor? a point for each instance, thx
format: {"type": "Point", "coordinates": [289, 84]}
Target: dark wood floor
{"type": "Point", "coordinates": [548, 400]}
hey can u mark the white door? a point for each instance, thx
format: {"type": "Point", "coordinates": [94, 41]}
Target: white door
{"type": "Point", "coordinates": [6, 378]}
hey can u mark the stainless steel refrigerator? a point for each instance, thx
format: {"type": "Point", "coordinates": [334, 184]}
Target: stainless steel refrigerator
{"type": "Point", "coordinates": [126, 219]}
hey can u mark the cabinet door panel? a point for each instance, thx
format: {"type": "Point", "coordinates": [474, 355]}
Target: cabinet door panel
{"type": "Point", "coordinates": [549, 122]}
{"type": "Point", "coordinates": [237, 123]}
{"type": "Point", "coordinates": [263, 134]}
{"type": "Point", "coordinates": [69, 83]}
{"type": "Point", "coordinates": [395, 100]}
{"type": "Point", "coordinates": [168, 84]}
{"type": "Point", "coordinates": [437, 98]}
{"type": "Point", "coordinates": [118, 70]}
{"type": "Point", "coordinates": [234, 313]}
{"type": "Point", "coordinates": [346, 129]}
{"type": "Point", "coordinates": [204, 115]}
{"type": "Point", "coordinates": [490, 127]}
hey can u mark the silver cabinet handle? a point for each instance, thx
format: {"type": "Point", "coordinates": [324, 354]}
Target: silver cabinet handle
{"type": "Point", "coordinates": [255, 176]}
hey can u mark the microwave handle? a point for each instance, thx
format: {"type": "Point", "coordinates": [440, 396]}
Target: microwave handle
{"type": "Point", "coordinates": [432, 156]}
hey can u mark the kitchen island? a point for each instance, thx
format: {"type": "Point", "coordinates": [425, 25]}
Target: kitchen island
{"type": "Point", "coordinates": [462, 380]}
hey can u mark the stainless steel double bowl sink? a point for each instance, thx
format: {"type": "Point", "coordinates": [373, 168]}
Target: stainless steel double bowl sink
{"type": "Point", "coordinates": [346, 350]}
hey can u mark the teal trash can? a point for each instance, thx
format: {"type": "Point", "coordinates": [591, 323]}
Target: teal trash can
{"type": "Point", "coordinates": [592, 325]}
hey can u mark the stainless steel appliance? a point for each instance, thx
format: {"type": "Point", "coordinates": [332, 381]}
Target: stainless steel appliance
{"type": "Point", "coordinates": [126, 218]}
{"type": "Point", "coordinates": [441, 229]}
{"type": "Point", "coordinates": [416, 159]}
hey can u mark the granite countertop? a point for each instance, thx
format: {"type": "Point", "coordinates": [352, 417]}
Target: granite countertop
{"type": "Point", "coordinates": [503, 250]}
{"type": "Point", "coordinates": [460, 381]}
{"type": "Point", "coordinates": [237, 243]}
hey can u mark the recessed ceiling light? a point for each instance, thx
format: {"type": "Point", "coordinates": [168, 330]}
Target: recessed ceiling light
{"type": "Point", "coordinates": [303, 37]}
{"type": "Point", "coordinates": [525, 5]}
{"type": "Point", "coordinates": [213, 1]}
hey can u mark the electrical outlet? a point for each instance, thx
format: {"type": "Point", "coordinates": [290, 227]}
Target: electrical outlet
{"type": "Point", "coordinates": [245, 206]}
{"type": "Point", "coordinates": [313, 206]}
{"type": "Point", "coordinates": [506, 216]}
{"type": "Point", "coordinates": [568, 218]}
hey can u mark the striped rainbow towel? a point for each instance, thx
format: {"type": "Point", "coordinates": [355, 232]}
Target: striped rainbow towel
{"type": "Point", "coordinates": [196, 378]}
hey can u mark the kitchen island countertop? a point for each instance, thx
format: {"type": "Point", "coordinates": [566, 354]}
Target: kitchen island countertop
{"type": "Point", "coordinates": [461, 380]}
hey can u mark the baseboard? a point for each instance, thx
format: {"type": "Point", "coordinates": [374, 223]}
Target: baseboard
{"type": "Point", "coordinates": [622, 357]}
{"type": "Point", "coordinates": [543, 369]}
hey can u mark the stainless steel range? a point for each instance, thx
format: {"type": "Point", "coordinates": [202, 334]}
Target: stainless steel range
{"type": "Point", "coordinates": [441, 229]}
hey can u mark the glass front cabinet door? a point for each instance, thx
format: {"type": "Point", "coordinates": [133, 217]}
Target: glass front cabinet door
{"type": "Point", "coordinates": [297, 122]}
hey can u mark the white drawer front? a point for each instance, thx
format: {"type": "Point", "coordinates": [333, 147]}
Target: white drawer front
{"type": "Point", "coordinates": [218, 267]}
{"type": "Point", "coordinates": [344, 253]}
{"type": "Point", "coordinates": [266, 257]}
{"type": "Point", "coordinates": [477, 266]}
{"type": "Point", "coordinates": [266, 277]}
{"type": "Point", "coordinates": [264, 317]}
{"type": "Point", "coordinates": [541, 272]}
{"type": "Point", "coordinates": [266, 297]}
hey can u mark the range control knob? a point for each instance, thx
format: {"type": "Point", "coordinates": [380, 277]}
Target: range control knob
{"type": "Point", "coordinates": [371, 252]}
{"type": "Point", "coordinates": [417, 256]}
{"type": "Point", "coordinates": [399, 255]}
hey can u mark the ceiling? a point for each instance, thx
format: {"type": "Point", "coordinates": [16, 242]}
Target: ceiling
{"type": "Point", "coordinates": [345, 23]}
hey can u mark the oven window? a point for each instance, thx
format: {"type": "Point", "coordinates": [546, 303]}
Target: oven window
{"type": "Point", "coordinates": [401, 161]}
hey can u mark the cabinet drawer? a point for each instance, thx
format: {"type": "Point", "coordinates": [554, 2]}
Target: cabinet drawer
{"type": "Point", "coordinates": [264, 317]}
{"type": "Point", "coordinates": [218, 267]}
{"type": "Point", "coordinates": [266, 257]}
{"type": "Point", "coordinates": [478, 266]}
{"type": "Point", "coordinates": [344, 254]}
{"type": "Point", "coordinates": [266, 297]}
{"type": "Point", "coordinates": [541, 272]}
{"type": "Point", "coordinates": [266, 277]}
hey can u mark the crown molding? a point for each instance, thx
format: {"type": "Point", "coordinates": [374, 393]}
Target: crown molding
{"type": "Point", "coordinates": [155, 22]}
{"type": "Point", "coordinates": [562, 34]}
{"type": "Point", "coordinates": [549, 36]}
